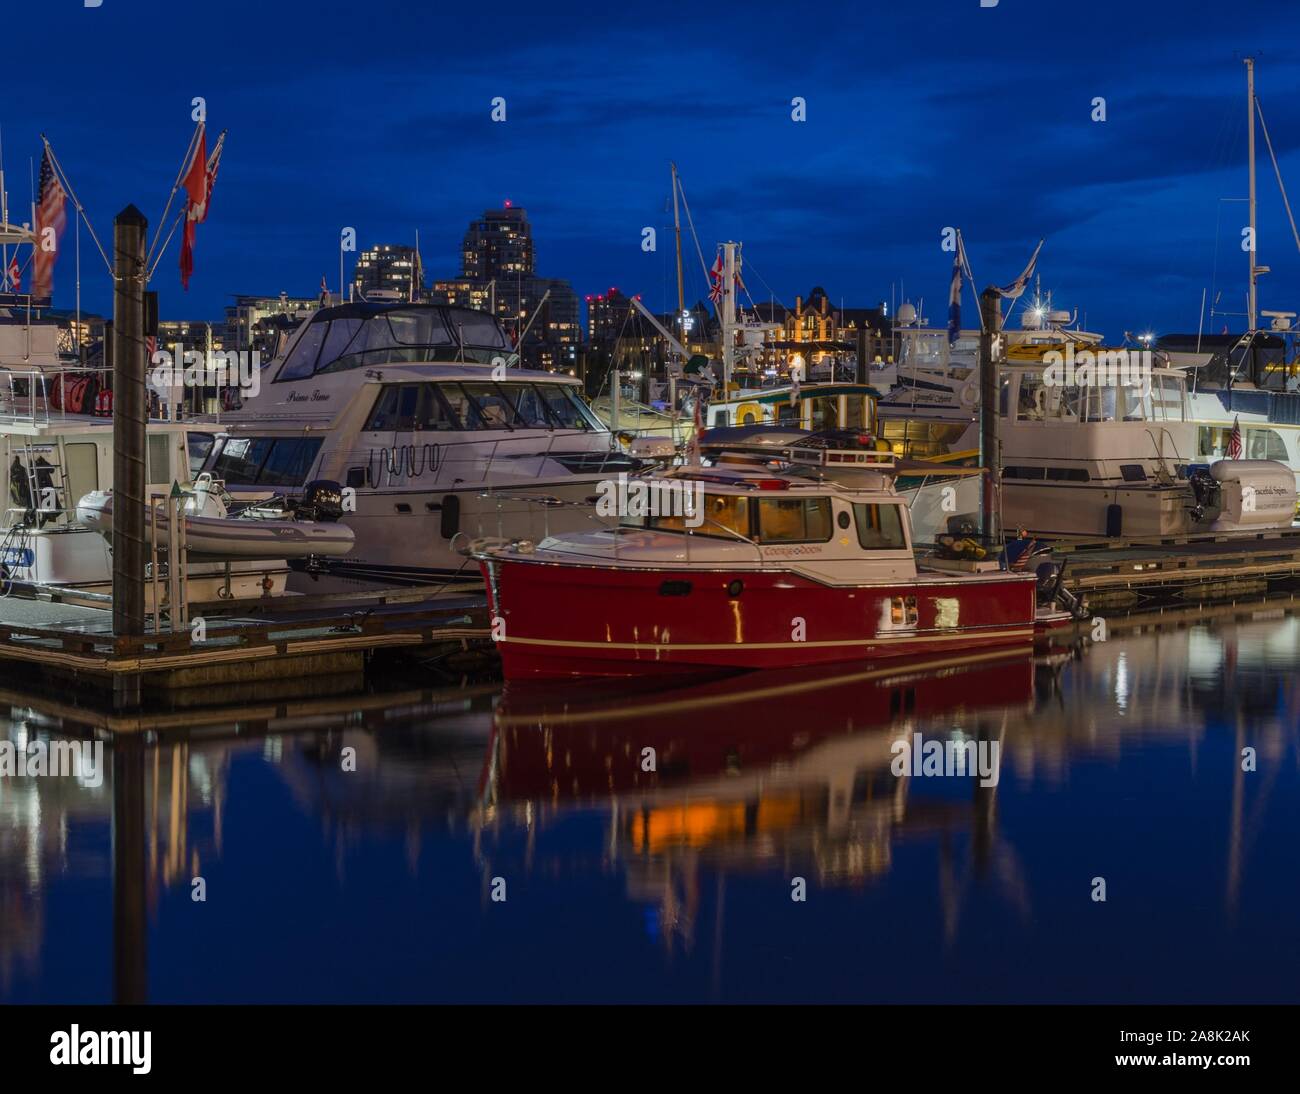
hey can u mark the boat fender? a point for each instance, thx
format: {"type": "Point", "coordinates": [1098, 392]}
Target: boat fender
{"type": "Point", "coordinates": [450, 516]}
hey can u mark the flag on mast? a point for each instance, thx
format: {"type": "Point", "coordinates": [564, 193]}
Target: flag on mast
{"type": "Point", "coordinates": [14, 276]}
{"type": "Point", "coordinates": [715, 279]}
{"type": "Point", "coordinates": [49, 215]}
{"type": "Point", "coordinates": [199, 179]}
{"type": "Point", "coordinates": [1018, 285]}
{"type": "Point", "coordinates": [1234, 441]}
{"type": "Point", "coordinates": [954, 295]}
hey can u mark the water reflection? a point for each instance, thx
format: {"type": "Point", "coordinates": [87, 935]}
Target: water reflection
{"type": "Point", "coordinates": [649, 838]}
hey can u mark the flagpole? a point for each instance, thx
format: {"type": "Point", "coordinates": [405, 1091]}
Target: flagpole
{"type": "Point", "coordinates": [81, 210]}
{"type": "Point", "coordinates": [185, 162]}
{"type": "Point", "coordinates": [4, 207]}
{"type": "Point", "coordinates": [166, 243]}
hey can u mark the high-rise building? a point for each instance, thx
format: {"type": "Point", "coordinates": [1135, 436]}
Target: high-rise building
{"type": "Point", "coordinates": [499, 244]}
{"type": "Point", "coordinates": [498, 275]}
{"type": "Point", "coordinates": [389, 268]}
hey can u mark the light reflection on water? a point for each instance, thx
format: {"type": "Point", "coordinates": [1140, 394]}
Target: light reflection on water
{"type": "Point", "coordinates": [675, 884]}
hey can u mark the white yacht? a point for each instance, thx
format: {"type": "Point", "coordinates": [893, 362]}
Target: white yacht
{"type": "Point", "coordinates": [418, 413]}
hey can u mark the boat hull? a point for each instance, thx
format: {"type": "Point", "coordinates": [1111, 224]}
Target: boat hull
{"type": "Point", "coordinates": [558, 620]}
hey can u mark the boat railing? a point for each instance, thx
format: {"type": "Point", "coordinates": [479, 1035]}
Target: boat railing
{"type": "Point", "coordinates": [40, 397]}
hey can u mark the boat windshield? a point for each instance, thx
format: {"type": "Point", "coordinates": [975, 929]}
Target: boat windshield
{"type": "Point", "coordinates": [339, 339]}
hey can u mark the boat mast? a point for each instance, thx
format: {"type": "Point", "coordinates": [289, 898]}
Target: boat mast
{"type": "Point", "coordinates": [681, 288]}
{"type": "Point", "coordinates": [728, 315]}
{"type": "Point", "coordinates": [1250, 153]}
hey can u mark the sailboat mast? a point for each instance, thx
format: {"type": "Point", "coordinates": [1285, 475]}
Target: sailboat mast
{"type": "Point", "coordinates": [681, 288]}
{"type": "Point", "coordinates": [728, 315]}
{"type": "Point", "coordinates": [1250, 153]}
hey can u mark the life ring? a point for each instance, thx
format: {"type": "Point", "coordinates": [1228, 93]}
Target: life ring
{"type": "Point", "coordinates": [970, 395]}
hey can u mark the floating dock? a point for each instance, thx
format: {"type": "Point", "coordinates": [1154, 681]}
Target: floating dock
{"type": "Point", "coordinates": [1122, 575]}
{"type": "Point", "coordinates": [291, 645]}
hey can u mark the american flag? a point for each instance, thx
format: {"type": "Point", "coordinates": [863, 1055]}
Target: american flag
{"type": "Point", "coordinates": [49, 214]}
{"type": "Point", "coordinates": [1234, 441]}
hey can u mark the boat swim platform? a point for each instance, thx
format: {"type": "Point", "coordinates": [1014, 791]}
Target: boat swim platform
{"type": "Point", "coordinates": [291, 645]}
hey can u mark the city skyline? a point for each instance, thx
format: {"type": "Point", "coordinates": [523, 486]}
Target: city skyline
{"type": "Point", "coordinates": [1139, 211]}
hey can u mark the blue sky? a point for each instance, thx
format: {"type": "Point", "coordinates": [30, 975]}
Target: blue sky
{"type": "Point", "coordinates": [919, 116]}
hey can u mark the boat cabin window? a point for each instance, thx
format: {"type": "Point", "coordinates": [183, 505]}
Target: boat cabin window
{"type": "Point", "coordinates": [453, 407]}
{"type": "Point", "coordinates": [411, 407]}
{"type": "Point", "coordinates": [159, 453]}
{"type": "Point", "coordinates": [725, 517]}
{"type": "Point", "coordinates": [1265, 444]}
{"type": "Point", "coordinates": [301, 362]}
{"type": "Point", "coordinates": [880, 527]}
{"type": "Point", "coordinates": [266, 461]}
{"type": "Point", "coordinates": [824, 412]}
{"type": "Point", "coordinates": [794, 520]}
{"type": "Point", "coordinates": [493, 408]}
{"type": "Point", "coordinates": [199, 448]}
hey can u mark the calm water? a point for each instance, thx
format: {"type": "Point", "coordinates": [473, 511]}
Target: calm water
{"type": "Point", "coordinates": [377, 885]}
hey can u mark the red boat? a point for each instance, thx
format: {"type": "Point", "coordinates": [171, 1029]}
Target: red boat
{"type": "Point", "coordinates": [756, 568]}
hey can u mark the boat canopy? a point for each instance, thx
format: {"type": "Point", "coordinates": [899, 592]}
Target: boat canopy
{"type": "Point", "coordinates": [365, 334]}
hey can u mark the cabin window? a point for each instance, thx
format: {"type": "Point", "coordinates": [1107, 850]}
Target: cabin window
{"type": "Point", "coordinates": [902, 611]}
{"type": "Point", "coordinates": [824, 413]}
{"type": "Point", "coordinates": [160, 467]}
{"type": "Point", "coordinates": [1031, 403]}
{"type": "Point", "coordinates": [1265, 444]}
{"type": "Point", "coordinates": [494, 409]}
{"type": "Point", "coordinates": [856, 413]}
{"type": "Point", "coordinates": [725, 516]}
{"type": "Point", "coordinates": [301, 362]}
{"type": "Point", "coordinates": [1133, 472]}
{"type": "Point", "coordinates": [82, 469]}
{"type": "Point", "coordinates": [1067, 474]}
{"type": "Point", "coordinates": [529, 406]}
{"type": "Point", "coordinates": [199, 448]}
{"type": "Point", "coordinates": [1004, 396]}
{"type": "Point", "coordinates": [1167, 398]}
{"type": "Point", "coordinates": [567, 408]}
{"type": "Point", "coordinates": [794, 520]}
{"type": "Point", "coordinates": [266, 461]}
{"type": "Point", "coordinates": [880, 527]}
{"type": "Point", "coordinates": [410, 407]}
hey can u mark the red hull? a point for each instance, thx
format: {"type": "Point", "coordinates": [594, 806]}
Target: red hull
{"type": "Point", "coordinates": [555, 621]}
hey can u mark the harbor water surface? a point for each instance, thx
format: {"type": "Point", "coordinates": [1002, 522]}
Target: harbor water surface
{"type": "Point", "coordinates": [510, 844]}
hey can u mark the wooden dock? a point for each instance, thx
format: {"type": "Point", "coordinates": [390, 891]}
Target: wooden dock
{"type": "Point", "coordinates": [289, 645]}
{"type": "Point", "coordinates": [1122, 575]}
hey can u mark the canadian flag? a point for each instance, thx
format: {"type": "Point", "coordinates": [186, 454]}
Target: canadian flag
{"type": "Point", "coordinates": [200, 177]}
{"type": "Point", "coordinates": [15, 276]}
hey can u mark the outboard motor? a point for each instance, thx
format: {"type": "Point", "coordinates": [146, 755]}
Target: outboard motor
{"type": "Point", "coordinates": [1205, 490]}
{"type": "Point", "coordinates": [1051, 590]}
{"type": "Point", "coordinates": [322, 500]}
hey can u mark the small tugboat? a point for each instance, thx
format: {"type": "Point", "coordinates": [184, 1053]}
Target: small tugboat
{"type": "Point", "coordinates": [802, 558]}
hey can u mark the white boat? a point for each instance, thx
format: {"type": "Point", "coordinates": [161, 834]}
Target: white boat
{"type": "Point", "coordinates": [418, 412]}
